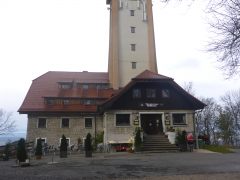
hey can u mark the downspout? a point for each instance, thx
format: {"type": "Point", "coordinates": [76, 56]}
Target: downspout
{"type": "Point", "coordinates": [95, 128]}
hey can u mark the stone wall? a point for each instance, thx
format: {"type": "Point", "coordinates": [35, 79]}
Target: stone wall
{"type": "Point", "coordinates": [114, 133]}
{"type": "Point", "coordinates": [53, 132]}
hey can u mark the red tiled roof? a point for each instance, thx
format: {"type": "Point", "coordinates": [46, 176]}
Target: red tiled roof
{"type": "Point", "coordinates": [47, 86]}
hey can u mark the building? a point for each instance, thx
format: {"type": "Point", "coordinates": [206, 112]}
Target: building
{"type": "Point", "coordinates": [131, 94]}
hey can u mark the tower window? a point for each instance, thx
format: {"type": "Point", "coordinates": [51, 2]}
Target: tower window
{"type": "Point", "coordinates": [133, 47]}
{"type": "Point", "coordinates": [134, 65]}
{"type": "Point", "coordinates": [132, 12]}
{"type": "Point", "coordinates": [132, 29]}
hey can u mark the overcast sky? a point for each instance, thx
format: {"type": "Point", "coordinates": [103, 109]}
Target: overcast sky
{"type": "Point", "coordinates": [37, 36]}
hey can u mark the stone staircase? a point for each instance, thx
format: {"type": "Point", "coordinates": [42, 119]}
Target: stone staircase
{"type": "Point", "coordinates": [158, 143]}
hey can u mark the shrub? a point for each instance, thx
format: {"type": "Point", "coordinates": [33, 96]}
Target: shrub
{"type": "Point", "coordinates": [21, 151]}
{"type": "Point", "coordinates": [178, 135]}
{"type": "Point", "coordinates": [39, 148]}
{"type": "Point", "coordinates": [64, 145]}
{"type": "Point", "coordinates": [88, 146]}
{"type": "Point", "coordinates": [99, 138]}
{"type": "Point", "coordinates": [6, 149]}
{"type": "Point", "coordinates": [138, 140]}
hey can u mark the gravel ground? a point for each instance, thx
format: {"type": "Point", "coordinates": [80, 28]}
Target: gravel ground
{"type": "Point", "coordinates": [200, 164]}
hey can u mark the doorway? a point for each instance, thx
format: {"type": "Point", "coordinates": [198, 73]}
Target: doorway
{"type": "Point", "coordinates": [151, 123]}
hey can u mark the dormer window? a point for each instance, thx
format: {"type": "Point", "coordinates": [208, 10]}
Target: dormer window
{"type": "Point", "coordinates": [64, 86]}
{"type": "Point", "coordinates": [85, 86]}
{"type": "Point", "coordinates": [65, 102]}
{"type": "Point", "coordinates": [50, 102]}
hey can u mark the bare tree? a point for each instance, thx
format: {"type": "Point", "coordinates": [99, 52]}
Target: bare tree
{"type": "Point", "coordinates": [7, 124]}
{"type": "Point", "coordinates": [188, 86]}
{"type": "Point", "coordinates": [206, 119]}
{"type": "Point", "coordinates": [223, 17]}
{"type": "Point", "coordinates": [231, 100]}
{"type": "Point", "coordinates": [224, 21]}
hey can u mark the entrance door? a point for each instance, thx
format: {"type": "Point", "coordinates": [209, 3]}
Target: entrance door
{"type": "Point", "coordinates": [150, 123]}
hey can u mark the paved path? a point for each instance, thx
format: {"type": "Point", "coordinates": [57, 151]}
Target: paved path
{"type": "Point", "coordinates": [126, 165]}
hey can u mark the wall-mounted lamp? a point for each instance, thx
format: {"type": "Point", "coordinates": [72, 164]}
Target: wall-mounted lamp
{"type": "Point", "coordinates": [137, 115]}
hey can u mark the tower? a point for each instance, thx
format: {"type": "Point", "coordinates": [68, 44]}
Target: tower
{"type": "Point", "coordinates": [131, 41]}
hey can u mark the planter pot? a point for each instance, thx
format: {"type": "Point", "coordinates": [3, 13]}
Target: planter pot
{"type": "Point", "coordinates": [183, 147]}
{"type": "Point", "coordinates": [88, 153]}
{"type": "Point", "coordinates": [129, 151]}
{"type": "Point", "coordinates": [5, 158]}
{"type": "Point", "coordinates": [138, 149]}
{"type": "Point", "coordinates": [63, 154]}
{"type": "Point", "coordinates": [38, 157]}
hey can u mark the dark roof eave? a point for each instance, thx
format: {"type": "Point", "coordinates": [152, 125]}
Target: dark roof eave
{"type": "Point", "coordinates": [151, 79]}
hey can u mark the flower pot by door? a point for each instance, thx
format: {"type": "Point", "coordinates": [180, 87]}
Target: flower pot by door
{"type": "Point", "coordinates": [138, 149]}
{"type": "Point", "coordinates": [183, 147]}
{"type": "Point", "coordinates": [63, 154]}
{"type": "Point", "coordinates": [88, 153]}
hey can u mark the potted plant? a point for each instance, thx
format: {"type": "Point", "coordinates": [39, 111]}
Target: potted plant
{"type": "Point", "coordinates": [7, 151]}
{"type": "Point", "coordinates": [63, 147]}
{"type": "Point", "coordinates": [183, 143]}
{"type": "Point", "coordinates": [21, 150]}
{"type": "Point", "coordinates": [138, 141]}
{"type": "Point", "coordinates": [38, 152]}
{"type": "Point", "coordinates": [88, 147]}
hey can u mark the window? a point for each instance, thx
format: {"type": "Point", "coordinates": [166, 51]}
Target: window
{"type": "Point", "coordinates": [123, 120]}
{"type": "Point", "coordinates": [87, 102]}
{"type": "Point", "coordinates": [43, 141]}
{"type": "Point", "coordinates": [179, 119]}
{"type": "Point", "coordinates": [65, 102]}
{"type": "Point", "coordinates": [134, 65]}
{"type": "Point", "coordinates": [85, 86]}
{"type": "Point", "coordinates": [151, 93]}
{"type": "Point", "coordinates": [132, 29]}
{"type": "Point", "coordinates": [165, 93]}
{"type": "Point", "coordinates": [64, 86]}
{"type": "Point", "coordinates": [42, 122]}
{"type": "Point", "coordinates": [132, 12]}
{"type": "Point", "coordinates": [88, 122]}
{"type": "Point", "coordinates": [65, 122]}
{"type": "Point", "coordinates": [99, 86]}
{"type": "Point", "coordinates": [50, 101]}
{"type": "Point", "coordinates": [136, 93]}
{"type": "Point", "coordinates": [133, 47]}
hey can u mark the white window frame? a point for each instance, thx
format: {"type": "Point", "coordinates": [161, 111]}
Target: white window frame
{"type": "Point", "coordinates": [69, 144]}
{"type": "Point", "coordinates": [186, 116]}
{"type": "Point", "coordinates": [38, 123]}
{"type": "Point", "coordinates": [42, 139]}
{"type": "Point", "coordinates": [115, 119]}
{"type": "Point", "coordinates": [69, 123]}
{"type": "Point", "coordinates": [85, 124]}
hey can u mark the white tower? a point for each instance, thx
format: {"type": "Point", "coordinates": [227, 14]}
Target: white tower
{"type": "Point", "coordinates": [132, 43]}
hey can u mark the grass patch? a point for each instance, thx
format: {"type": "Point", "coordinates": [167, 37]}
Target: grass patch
{"type": "Point", "coordinates": [217, 149]}
{"type": "Point", "coordinates": [229, 147]}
